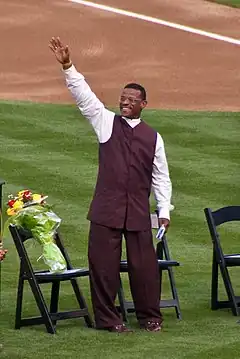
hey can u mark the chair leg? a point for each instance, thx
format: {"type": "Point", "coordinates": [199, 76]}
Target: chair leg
{"type": "Point", "coordinates": [122, 301]}
{"type": "Point", "coordinates": [18, 316]}
{"type": "Point", "coordinates": [82, 303]}
{"type": "Point", "coordinates": [42, 306]}
{"type": "Point", "coordinates": [54, 299]}
{"type": "Point", "coordinates": [174, 293]}
{"type": "Point", "coordinates": [215, 304]}
{"type": "Point", "coordinates": [162, 249]}
{"type": "Point", "coordinates": [214, 290]}
{"type": "Point", "coordinates": [229, 289]}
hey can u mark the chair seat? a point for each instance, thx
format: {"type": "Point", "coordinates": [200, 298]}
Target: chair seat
{"type": "Point", "coordinates": [47, 276]}
{"type": "Point", "coordinates": [232, 260]}
{"type": "Point", "coordinates": [162, 263]}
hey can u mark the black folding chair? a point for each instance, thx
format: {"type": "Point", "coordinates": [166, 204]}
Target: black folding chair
{"type": "Point", "coordinates": [166, 264]}
{"type": "Point", "coordinates": [48, 317]}
{"type": "Point", "coordinates": [223, 261]}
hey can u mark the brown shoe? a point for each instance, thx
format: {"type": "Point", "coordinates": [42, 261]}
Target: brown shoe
{"type": "Point", "coordinates": [120, 328]}
{"type": "Point", "coordinates": [152, 326]}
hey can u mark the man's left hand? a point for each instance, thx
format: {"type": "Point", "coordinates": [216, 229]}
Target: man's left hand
{"type": "Point", "coordinates": [165, 222]}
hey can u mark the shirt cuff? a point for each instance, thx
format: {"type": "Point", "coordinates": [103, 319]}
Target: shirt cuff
{"type": "Point", "coordinates": [72, 71]}
{"type": "Point", "coordinates": [164, 212]}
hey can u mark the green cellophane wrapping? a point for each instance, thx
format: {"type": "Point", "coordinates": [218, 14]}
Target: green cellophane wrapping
{"type": "Point", "coordinates": [42, 222]}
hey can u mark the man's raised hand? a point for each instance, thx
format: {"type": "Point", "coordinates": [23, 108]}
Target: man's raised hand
{"type": "Point", "coordinates": [61, 52]}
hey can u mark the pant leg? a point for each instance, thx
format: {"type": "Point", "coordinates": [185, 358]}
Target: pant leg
{"type": "Point", "coordinates": [143, 275]}
{"type": "Point", "coordinates": [104, 255]}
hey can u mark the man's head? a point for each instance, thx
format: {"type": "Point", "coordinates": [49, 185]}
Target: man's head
{"type": "Point", "coordinates": [132, 100]}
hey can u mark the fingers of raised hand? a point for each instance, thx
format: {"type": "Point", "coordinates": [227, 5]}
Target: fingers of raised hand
{"type": "Point", "coordinates": [59, 42]}
{"type": "Point", "coordinates": [51, 47]}
{"type": "Point", "coordinates": [55, 44]}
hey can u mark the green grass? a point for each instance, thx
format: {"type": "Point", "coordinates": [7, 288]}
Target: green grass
{"type": "Point", "coordinates": [233, 3]}
{"type": "Point", "coordinates": [52, 149]}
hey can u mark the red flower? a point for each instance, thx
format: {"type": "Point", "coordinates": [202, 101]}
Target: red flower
{"type": "Point", "coordinates": [11, 203]}
{"type": "Point", "coordinates": [27, 196]}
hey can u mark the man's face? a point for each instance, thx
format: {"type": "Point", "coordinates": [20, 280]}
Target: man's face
{"type": "Point", "coordinates": [131, 103]}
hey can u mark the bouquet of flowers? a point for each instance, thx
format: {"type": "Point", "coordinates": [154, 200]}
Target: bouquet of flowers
{"type": "Point", "coordinates": [30, 211]}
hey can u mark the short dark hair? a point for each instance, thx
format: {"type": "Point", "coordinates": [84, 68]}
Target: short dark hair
{"type": "Point", "coordinates": [139, 88]}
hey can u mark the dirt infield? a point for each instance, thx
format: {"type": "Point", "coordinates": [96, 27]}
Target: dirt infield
{"type": "Point", "coordinates": [180, 70]}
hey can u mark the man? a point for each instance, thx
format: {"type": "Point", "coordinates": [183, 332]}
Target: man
{"type": "Point", "coordinates": [131, 160]}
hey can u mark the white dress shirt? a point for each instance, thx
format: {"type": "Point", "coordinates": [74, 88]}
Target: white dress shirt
{"type": "Point", "coordinates": [102, 120]}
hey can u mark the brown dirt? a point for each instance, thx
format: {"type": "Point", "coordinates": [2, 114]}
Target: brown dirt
{"type": "Point", "coordinates": [179, 70]}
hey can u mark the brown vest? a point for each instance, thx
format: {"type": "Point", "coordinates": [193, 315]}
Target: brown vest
{"type": "Point", "coordinates": [121, 198]}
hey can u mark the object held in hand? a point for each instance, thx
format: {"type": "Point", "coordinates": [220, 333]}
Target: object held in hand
{"type": "Point", "coordinates": [160, 232]}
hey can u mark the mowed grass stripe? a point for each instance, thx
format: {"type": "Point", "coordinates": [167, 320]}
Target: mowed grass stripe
{"type": "Point", "coordinates": [222, 125]}
{"type": "Point", "coordinates": [52, 164]}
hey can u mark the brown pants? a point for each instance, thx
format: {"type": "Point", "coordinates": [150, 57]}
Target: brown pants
{"type": "Point", "coordinates": [104, 254]}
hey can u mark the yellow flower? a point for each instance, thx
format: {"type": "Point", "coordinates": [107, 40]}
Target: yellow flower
{"type": "Point", "coordinates": [37, 197]}
{"type": "Point", "coordinates": [18, 205]}
{"type": "Point", "coordinates": [10, 211]}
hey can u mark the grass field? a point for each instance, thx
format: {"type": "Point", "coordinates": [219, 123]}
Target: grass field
{"type": "Point", "coordinates": [53, 150]}
{"type": "Point", "coordinates": [233, 3]}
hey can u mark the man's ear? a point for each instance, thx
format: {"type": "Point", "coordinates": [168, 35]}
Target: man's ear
{"type": "Point", "coordinates": [143, 104]}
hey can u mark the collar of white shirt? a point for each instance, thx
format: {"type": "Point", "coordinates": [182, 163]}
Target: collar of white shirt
{"type": "Point", "coordinates": [132, 121]}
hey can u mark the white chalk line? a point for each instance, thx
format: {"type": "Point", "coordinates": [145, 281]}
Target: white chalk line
{"type": "Point", "coordinates": [158, 21]}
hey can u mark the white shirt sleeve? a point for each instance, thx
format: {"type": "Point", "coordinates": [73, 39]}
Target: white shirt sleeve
{"type": "Point", "coordinates": [89, 105]}
{"type": "Point", "coordinates": [161, 183]}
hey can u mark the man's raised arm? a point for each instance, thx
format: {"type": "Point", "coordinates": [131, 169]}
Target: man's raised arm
{"type": "Point", "coordinates": [90, 106]}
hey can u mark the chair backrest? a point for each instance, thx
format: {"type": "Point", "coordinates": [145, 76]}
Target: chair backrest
{"type": "Point", "coordinates": [224, 214]}
{"type": "Point", "coordinates": [218, 217]}
{"type": "Point", "coordinates": [154, 221]}
{"type": "Point", "coordinates": [23, 234]}
{"type": "Point", "coordinates": [20, 236]}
